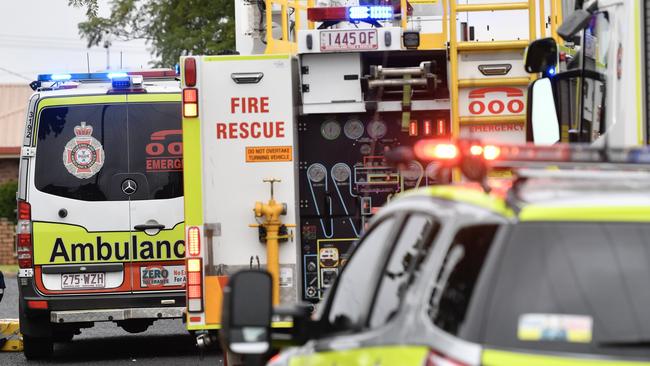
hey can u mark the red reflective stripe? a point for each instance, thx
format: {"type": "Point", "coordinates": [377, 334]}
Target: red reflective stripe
{"type": "Point", "coordinates": [37, 304]}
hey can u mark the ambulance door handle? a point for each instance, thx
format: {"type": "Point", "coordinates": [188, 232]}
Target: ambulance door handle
{"type": "Point", "coordinates": [144, 227]}
{"type": "Point", "coordinates": [247, 77]}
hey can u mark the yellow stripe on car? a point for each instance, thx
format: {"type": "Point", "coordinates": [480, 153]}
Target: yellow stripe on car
{"type": "Point", "coordinates": [535, 212]}
{"type": "Point", "coordinates": [465, 195]}
{"type": "Point", "coordinates": [371, 356]}
{"type": "Point", "coordinates": [503, 358]}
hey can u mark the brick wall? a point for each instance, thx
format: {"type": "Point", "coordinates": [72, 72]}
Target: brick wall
{"type": "Point", "coordinates": [7, 237]}
{"type": "Point", "coordinates": [8, 172]}
{"type": "Point", "coordinates": [8, 169]}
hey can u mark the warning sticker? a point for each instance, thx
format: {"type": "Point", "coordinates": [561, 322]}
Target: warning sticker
{"type": "Point", "coordinates": [555, 327]}
{"type": "Point", "coordinates": [286, 277]}
{"type": "Point", "coordinates": [268, 154]}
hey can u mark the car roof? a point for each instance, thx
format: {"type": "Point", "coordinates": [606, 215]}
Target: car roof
{"type": "Point", "coordinates": [620, 196]}
{"type": "Point", "coordinates": [102, 88]}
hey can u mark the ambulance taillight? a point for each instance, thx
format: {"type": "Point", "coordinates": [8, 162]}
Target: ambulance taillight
{"type": "Point", "coordinates": [193, 241]}
{"type": "Point", "coordinates": [194, 285]}
{"type": "Point", "coordinates": [190, 102]}
{"type": "Point", "coordinates": [24, 245]}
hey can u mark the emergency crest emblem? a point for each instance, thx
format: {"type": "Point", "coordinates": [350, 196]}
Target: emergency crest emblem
{"type": "Point", "coordinates": [83, 155]}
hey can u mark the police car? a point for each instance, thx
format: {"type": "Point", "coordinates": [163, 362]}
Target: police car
{"type": "Point", "coordinates": [550, 270]}
{"type": "Point", "coordinates": [100, 205]}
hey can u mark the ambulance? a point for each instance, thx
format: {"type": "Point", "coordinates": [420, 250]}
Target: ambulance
{"type": "Point", "coordinates": [286, 143]}
{"type": "Point", "coordinates": [100, 205]}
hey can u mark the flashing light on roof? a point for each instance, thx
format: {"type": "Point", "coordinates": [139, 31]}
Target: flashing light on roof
{"type": "Point", "coordinates": [60, 77]}
{"type": "Point", "coordinates": [370, 12]}
{"type": "Point", "coordinates": [107, 76]}
{"type": "Point", "coordinates": [114, 75]}
{"type": "Point", "coordinates": [353, 13]}
{"type": "Point", "coordinates": [436, 150]}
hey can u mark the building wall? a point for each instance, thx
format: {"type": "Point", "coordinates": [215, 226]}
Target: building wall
{"type": "Point", "coordinates": [8, 170]}
{"type": "Point", "coordinates": [7, 238]}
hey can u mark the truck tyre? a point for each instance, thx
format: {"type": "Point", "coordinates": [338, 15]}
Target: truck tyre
{"type": "Point", "coordinates": [37, 348]}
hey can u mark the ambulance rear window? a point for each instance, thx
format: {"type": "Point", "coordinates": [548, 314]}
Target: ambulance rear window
{"type": "Point", "coordinates": [85, 152]}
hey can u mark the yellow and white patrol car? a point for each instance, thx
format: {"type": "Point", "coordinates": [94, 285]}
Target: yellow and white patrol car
{"type": "Point", "coordinates": [100, 205]}
{"type": "Point", "coordinates": [551, 271]}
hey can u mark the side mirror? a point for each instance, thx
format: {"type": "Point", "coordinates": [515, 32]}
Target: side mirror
{"type": "Point", "coordinates": [541, 56]}
{"type": "Point", "coordinates": [247, 311]}
{"type": "Point", "coordinates": [543, 124]}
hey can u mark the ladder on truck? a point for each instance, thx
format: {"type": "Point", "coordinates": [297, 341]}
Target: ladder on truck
{"type": "Point", "coordinates": [495, 96]}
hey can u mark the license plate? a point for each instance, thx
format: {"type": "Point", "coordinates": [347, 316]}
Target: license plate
{"type": "Point", "coordinates": [83, 280]}
{"type": "Point", "coordinates": [349, 39]}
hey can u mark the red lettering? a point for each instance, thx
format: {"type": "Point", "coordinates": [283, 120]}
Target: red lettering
{"type": "Point", "coordinates": [268, 130]}
{"type": "Point", "coordinates": [155, 149]}
{"type": "Point", "coordinates": [476, 107]}
{"type": "Point", "coordinates": [175, 148]}
{"type": "Point", "coordinates": [279, 129]}
{"type": "Point", "coordinates": [515, 106]}
{"type": "Point", "coordinates": [264, 105]}
{"type": "Point", "coordinates": [252, 105]}
{"type": "Point", "coordinates": [255, 130]}
{"type": "Point", "coordinates": [234, 103]}
{"type": "Point", "coordinates": [496, 107]}
{"type": "Point", "coordinates": [221, 131]}
{"type": "Point", "coordinates": [232, 130]}
{"type": "Point", "coordinates": [243, 130]}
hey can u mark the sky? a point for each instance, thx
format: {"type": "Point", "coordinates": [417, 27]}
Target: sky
{"type": "Point", "coordinates": [41, 36]}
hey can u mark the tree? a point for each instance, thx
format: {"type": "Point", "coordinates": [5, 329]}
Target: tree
{"type": "Point", "coordinates": [172, 27]}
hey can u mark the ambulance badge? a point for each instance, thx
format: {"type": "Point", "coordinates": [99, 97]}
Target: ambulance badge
{"type": "Point", "coordinates": [83, 155]}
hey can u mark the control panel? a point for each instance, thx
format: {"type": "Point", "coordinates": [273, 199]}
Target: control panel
{"type": "Point", "coordinates": [345, 181]}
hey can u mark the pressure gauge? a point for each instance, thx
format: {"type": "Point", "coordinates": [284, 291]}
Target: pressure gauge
{"type": "Point", "coordinates": [340, 172]}
{"type": "Point", "coordinates": [330, 130]}
{"type": "Point", "coordinates": [413, 171]}
{"type": "Point", "coordinates": [432, 170]}
{"type": "Point", "coordinates": [353, 129]}
{"type": "Point", "coordinates": [377, 129]}
{"type": "Point", "coordinates": [316, 173]}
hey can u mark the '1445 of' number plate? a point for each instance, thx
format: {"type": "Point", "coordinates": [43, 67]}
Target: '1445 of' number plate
{"type": "Point", "coordinates": [349, 39]}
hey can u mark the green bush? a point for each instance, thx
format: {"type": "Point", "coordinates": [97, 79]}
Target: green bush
{"type": "Point", "coordinates": [8, 200]}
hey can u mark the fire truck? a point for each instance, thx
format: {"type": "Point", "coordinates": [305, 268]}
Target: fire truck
{"type": "Point", "coordinates": [285, 142]}
{"type": "Point", "coordinates": [602, 99]}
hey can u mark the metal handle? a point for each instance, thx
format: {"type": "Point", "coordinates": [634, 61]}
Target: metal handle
{"type": "Point", "coordinates": [144, 227]}
{"type": "Point", "coordinates": [247, 77]}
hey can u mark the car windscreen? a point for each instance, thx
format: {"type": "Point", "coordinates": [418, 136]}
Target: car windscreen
{"type": "Point", "coordinates": [83, 151]}
{"type": "Point", "coordinates": [572, 287]}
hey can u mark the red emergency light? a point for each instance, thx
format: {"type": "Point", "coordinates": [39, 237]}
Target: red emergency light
{"type": "Point", "coordinates": [190, 71]}
{"type": "Point", "coordinates": [336, 13]}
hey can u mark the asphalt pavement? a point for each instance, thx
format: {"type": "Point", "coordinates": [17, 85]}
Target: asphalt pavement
{"type": "Point", "coordinates": [165, 343]}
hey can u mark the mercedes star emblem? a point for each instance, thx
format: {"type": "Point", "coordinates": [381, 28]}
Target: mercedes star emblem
{"type": "Point", "coordinates": [129, 186]}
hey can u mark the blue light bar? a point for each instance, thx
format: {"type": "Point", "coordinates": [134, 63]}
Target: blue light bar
{"type": "Point", "coordinates": [60, 77]}
{"type": "Point", "coordinates": [74, 76]}
{"type": "Point", "coordinates": [370, 12]}
{"type": "Point", "coordinates": [113, 75]}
